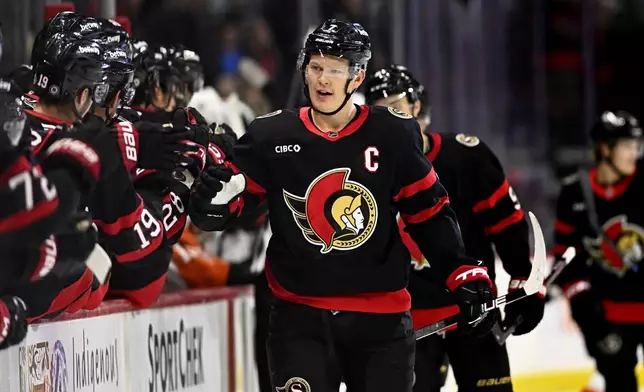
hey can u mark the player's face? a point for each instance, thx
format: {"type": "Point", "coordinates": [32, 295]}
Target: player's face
{"type": "Point", "coordinates": [326, 77]}
{"type": "Point", "coordinates": [625, 155]}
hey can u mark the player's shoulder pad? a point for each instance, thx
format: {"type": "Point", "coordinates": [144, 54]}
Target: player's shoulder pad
{"type": "Point", "coordinates": [269, 121]}
{"type": "Point", "coordinates": [382, 112]}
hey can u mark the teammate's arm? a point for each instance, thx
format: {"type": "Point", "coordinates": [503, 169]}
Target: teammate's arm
{"type": "Point", "coordinates": [495, 204]}
{"type": "Point", "coordinates": [424, 207]}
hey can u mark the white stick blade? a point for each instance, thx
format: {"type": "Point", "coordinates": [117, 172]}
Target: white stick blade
{"type": "Point", "coordinates": [538, 273]}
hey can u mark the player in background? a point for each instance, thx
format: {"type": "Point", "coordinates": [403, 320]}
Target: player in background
{"type": "Point", "coordinates": [490, 217]}
{"type": "Point", "coordinates": [334, 179]}
{"type": "Point", "coordinates": [599, 213]}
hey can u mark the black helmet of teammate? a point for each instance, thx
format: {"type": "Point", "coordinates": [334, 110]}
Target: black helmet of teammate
{"type": "Point", "coordinates": [340, 39]}
{"type": "Point", "coordinates": [70, 65]}
{"type": "Point", "coordinates": [154, 69]}
{"type": "Point", "coordinates": [612, 126]}
{"type": "Point", "coordinates": [61, 23]}
{"type": "Point", "coordinates": [118, 55]}
{"type": "Point", "coordinates": [188, 66]}
{"type": "Point", "coordinates": [393, 81]}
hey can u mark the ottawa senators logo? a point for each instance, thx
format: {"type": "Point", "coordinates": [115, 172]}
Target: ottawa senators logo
{"type": "Point", "coordinates": [335, 213]}
{"type": "Point", "coordinates": [295, 384]}
{"type": "Point", "coordinates": [627, 237]}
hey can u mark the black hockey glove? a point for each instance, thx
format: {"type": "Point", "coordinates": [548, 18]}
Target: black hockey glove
{"type": "Point", "coordinates": [211, 197]}
{"type": "Point", "coordinates": [77, 238]}
{"type": "Point", "coordinates": [469, 298]}
{"type": "Point", "coordinates": [162, 147]}
{"type": "Point", "coordinates": [13, 321]}
{"type": "Point", "coordinates": [90, 150]}
{"type": "Point", "coordinates": [197, 135]}
{"type": "Point", "coordinates": [224, 137]}
{"type": "Point", "coordinates": [525, 314]}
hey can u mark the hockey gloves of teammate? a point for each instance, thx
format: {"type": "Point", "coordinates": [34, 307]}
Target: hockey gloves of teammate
{"type": "Point", "coordinates": [13, 321]}
{"type": "Point", "coordinates": [88, 149]}
{"type": "Point", "coordinates": [224, 137]}
{"type": "Point", "coordinates": [162, 147]}
{"type": "Point", "coordinates": [77, 238]}
{"type": "Point", "coordinates": [472, 288]}
{"type": "Point", "coordinates": [529, 310]}
{"type": "Point", "coordinates": [214, 197]}
{"type": "Point", "coordinates": [197, 135]}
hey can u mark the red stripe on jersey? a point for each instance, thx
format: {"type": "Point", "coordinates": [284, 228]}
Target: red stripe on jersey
{"type": "Point", "coordinates": [422, 318]}
{"type": "Point", "coordinates": [424, 183]}
{"type": "Point", "coordinates": [517, 216]}
{"type": "Point", "coordinates": [426, 213]}
{"type": "Point", "coordinates": [146, 296]}
{"type": "Point", "coordinates": [492, 200]}
{"type": "Point", "coordinates": [437, 143]}
{"type": "Point", "coordinates": [624, 312]}
{"type": "Point", "coordinates": [124, 222]}
{"type": "Point", "coordinates": [612, 191]}
{"type": "Point", "coordinates": [96, 296]}
{"type": "Point", "coordinates": [563, 227]}
{"type": "Point", "coordinates": [138, 254]}
{"type": "Point", "coordinates": [18, 166]}
{"type": "Point", "coordinates": [26, 217]}
{"type": "Point", "coordinates": [251, 186]}
{"type": "Point", "coordinates": [389, 302]}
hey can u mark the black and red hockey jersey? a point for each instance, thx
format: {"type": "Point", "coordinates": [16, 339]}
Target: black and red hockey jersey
{"type": "Point", "coordinates": [130, 231]}
{"type": "Point", "coordinates": [489, 215]}
{"type": "Point", "coordinates": [611, 268]}
{"type": "Point", "coordinates": [333, 199]}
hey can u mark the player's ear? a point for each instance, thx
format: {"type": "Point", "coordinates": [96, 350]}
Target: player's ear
{"type": "Point", "coordinates": [357, 80]}
{"type": "Point", "coordinates": [416, 109]}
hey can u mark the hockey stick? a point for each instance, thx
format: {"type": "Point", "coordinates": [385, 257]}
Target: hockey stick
{"type": "Point", "coordinates": [500, 333]}
{"type": "Point", "coordinates": [532, 285]}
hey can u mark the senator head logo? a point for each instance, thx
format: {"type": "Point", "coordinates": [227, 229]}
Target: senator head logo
{"type": "Point", "coordinates": [626, 250]}
{"type": "Point", "coordinates": [295, 384]}
{"type": "Point", "coordinates": [335, 213]}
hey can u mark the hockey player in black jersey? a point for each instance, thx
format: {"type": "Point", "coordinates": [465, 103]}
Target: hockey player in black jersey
{"type": "Point", "coordinates": [335, 175]}
{"type": "Point", "coordinates": [489, 214]}
{"type": "Point", "coordinates": [128, 230]}
{"type": "Point", "coordinates": [599, 213]}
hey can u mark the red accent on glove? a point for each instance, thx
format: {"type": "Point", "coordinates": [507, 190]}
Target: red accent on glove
{"type": "Point", "coordinates": [467, 273]}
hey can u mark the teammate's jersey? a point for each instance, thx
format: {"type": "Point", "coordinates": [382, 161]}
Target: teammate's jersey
{"type": "Point", "coordinates": [130, 231]}
{"type": "Point", "coordinates": [488, 214]}
{"type": "Point", "coordinates": [333, 199]}
{"type": "Point", "coordinates": [611, 268]}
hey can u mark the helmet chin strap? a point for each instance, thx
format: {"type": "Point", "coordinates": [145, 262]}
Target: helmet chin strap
{"type": "Point", "coordinates": [611, 164]}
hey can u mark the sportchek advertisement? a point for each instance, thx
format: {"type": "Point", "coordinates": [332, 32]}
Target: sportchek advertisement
{"type": "Point", "coordinates": [182, 348]}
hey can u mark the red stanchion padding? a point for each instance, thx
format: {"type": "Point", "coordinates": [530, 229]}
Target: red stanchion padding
{"type": "Point", "coordinates": [124, 21]}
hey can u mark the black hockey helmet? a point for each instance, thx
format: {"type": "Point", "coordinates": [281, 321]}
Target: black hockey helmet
{"type": "Point", "coordinates": [68, 66]}
{"type": "Point", "coordinates": [188, 65]}
{"type": "Point", "coordinates": [612, 126]}
{"type": "Point", "coordinates": [391, 81]}
{"type": "Point", "coordinates": [340, 39]}
{"type": "Point", "coordinates": [60, 23]}
{"type": "Point", "coordinates": [154, 69]}
{"type": "Point", "coordinates": [118, 55]}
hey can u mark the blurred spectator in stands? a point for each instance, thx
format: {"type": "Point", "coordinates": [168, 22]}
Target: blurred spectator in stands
{"type": "Point", "coordinates": [230, 49]}
{"type": "Point", "coordinates": [262, 47]}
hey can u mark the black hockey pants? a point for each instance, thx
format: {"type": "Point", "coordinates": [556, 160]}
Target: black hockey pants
{"type": "Point", "coordinates": [618, 368]}
{"type": "Point", "coordinates": [313, 349]}
{"type": "Point", "coordinates": [479, 364]}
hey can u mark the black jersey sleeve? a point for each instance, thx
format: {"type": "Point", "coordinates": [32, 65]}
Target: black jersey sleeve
{"type": "Point", "coordinates": [495, 204]}
{"type": "Point", "coordinates": [575, 278]}
{"type": "Point", "coordinates": [423, 204]}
